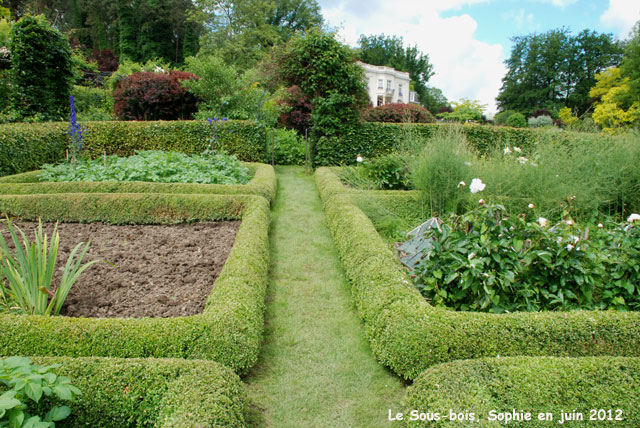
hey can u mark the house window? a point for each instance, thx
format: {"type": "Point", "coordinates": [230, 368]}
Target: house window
{"type": "Point", "coordinates": [389, 85]}
{"type": "Point", "coordinates": [399, 89]}
{"type": "Point", "coordinates": [380, 84]}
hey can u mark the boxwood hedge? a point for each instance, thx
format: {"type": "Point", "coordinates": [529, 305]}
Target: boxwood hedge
{"type": "Point", "coordinates": [409, 335]}
{"type": "Point", "coordinates": [590, 385]}
{"type": "Point", "coordinates": [25, 147]}
{"type": "Point", "coordinates": [263, 183]}
{"type": "Point", "coordinates": [228, 331]}
{"type": "Point", "coordinates": [159, 393]}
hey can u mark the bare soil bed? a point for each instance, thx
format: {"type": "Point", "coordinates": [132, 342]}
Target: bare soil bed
{"type": "Point", "coordinates": [144, 271]}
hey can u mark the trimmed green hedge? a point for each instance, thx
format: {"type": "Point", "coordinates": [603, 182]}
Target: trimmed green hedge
{"type": "Point", "coordinates": [375, 139]}
{"type": "Point", "coordinates": [409, 335]}
{"type": "Point", "coordinates": [152, 393]}
{"type": "Point", "coordinates": [25, 147]}
{"type": "Point", "coordinates": [263, 183]}
{"type": "Point", "coordinates": [529, 384]}
{"type": "Point", "coordinates": [228, 331]}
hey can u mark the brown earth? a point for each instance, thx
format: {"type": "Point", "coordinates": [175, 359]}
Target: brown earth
{"type": "Point", "coordinates": [144, 271]}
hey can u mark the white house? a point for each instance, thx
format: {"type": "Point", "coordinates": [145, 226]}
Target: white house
{"type": "Point", "coordinates": [386, 85]}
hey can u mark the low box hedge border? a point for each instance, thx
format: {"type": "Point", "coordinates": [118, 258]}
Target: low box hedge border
{"type": "Point", "coordinates": [228, 331]}
{"type": "Point", "coordinates": [158, 393]}
{"type": "Point", "coordinates": [263, 183]}
{"type": "Point", "coordinates": [409, 335]}
{"type": "Point", "coordinates": [529, 384]}
{"type": "Point", "coordinates": [27, 146]}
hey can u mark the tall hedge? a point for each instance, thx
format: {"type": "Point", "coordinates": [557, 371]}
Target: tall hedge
{"type": "Point", "coordinates": [25, 147]}
{"type": "Point", "coordinates": [41, 69]}
{"type": "Point", "coordinates": [374, 139]}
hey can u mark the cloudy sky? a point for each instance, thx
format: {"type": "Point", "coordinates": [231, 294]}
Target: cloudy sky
{"type": "Point", "coordinates": [468, 40]}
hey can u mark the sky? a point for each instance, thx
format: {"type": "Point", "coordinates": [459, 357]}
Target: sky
{"type": "Point", "coordinates": [468, 40]}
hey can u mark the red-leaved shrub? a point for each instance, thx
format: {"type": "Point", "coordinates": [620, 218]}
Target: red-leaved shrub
{"type": "Point", "coordinates": [398, 113]}
{"type": "Point", "coordinates": [298, 113]}
{"type": "Point", "coordinates": [154, 96]}
{"type": "Point", "coordinates": [106, 59]}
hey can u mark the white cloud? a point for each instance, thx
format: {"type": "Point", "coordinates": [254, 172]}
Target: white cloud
{"type": "Point", "coordinates": [464, 66]}
{"type": "Point", "coordinates": [621, 15]}
{"type": "Point", "coordinates": [561, 3]}
{"type": "Point", "coordinates": [524, 21]}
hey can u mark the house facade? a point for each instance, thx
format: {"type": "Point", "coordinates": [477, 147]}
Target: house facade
{"type": "Point", "coordinates": [386, 85]}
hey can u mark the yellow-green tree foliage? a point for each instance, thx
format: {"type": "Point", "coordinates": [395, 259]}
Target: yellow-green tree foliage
{"type": "Point", "coordinates": [615, 110]}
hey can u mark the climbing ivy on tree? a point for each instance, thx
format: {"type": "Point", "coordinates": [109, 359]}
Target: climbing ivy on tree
{"type": "Point", "coordinates": [42, 69]}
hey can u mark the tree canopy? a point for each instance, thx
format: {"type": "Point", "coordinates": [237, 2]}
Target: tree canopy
{"type": "Point", "coordinates": [556, 69]}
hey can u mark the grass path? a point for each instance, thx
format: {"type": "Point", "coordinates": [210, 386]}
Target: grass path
{"type": "Point", "coordinates": [315, 368]}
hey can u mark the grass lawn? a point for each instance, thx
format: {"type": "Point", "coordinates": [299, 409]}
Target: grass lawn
{"type": "Point", "coordinates": [315, 368]}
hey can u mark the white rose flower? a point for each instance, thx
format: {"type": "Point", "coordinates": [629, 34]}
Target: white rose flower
{"type": "Point", "coordinates": [359, 159]}
{"type": "Point", "coordinates": [531, 206]}
{"type": "Point", "coordinates": [517, 149]}
{"type": "Point", "coordinates": [600, 225]}
{"type": "Point", "coordinates": [461, 184]}
{"type": "Point", "coordinates": [542, 221]}
{"type": "Point", "coordinates": [476, 185]}
{"type": "Point", "coordinates": [569, 247]}
{"type": "Point", "coordinates": [481, 201]}
{"type": "Point", "coordinates": [569, 222]}
{"type": "Point", "coordinates": [523, 160]}
{"type": "Point", "coordinates": [507, 150]}
{"type": "Point", "coordinates": [633, 217]}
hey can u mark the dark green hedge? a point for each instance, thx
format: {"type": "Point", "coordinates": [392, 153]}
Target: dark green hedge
{"type": "Point", "coordinates": [529, 384]}
{"type": "Point", "coordinates": [228, 331]}
{"type": "Point", "coordinates": [409, 335]}
{"type": "Point", "coordinates": [263, 183]}
{"type": "Point", "coordinates": [25, 147]}
{"type": "Point", "coordinates": [152, 393]}
{"type": "Point", "coordinates": [374, 139]}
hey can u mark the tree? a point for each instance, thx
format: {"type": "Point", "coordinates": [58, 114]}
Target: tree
{"type": "Point", "coordinates": [555, 69]}
{"type": "Point", "coordinates": [616, 109]}
{"type": "Point", "coordinates": [291, 16]}
{"type": "Point", "coordinates": [41, 69]}
{"type": "Point", "coordinates": [433, 100]}
{"type": "Point", "coordinates": [326, 72]}
{"type": "Point", "coordinates": [390, 51]}
{"type": "Point", "coordinates": [242, 31]}
{"type": "Point", "coordinates": [465, 110]}
{"type": "Point", "coordinates": [630, 66]}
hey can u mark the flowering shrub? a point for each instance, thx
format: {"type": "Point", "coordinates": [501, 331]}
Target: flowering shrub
{"type": "Point", "coordinates": [398, 113]}
{"type": "Point", "coordinates": [485, 260]}
{"type": "Point", "coordinates": [154, 96]}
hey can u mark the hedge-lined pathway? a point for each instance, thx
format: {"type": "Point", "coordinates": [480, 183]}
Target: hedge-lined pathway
{"type": "Point", "coordinates": [315, 368]}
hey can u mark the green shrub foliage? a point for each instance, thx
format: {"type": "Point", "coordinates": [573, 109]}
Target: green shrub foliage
{"type": "Point", "coordinates": [26, 147]}
{"type": "Point", "coordinates": [409, 335]}
{"type": "Point", "coordinates": [485, 260]}
{"type": "Point", "coordinates": [517, 120]}
{"type": "Point", "coordinates": [605, 390]}
{"type": "Point", "coordinates": [163, 393]}
{"type": "Point", "coordinates": [41, 69]}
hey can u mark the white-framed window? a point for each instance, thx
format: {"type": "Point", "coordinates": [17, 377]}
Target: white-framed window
{"type": "Point", "coordinates": [380, 82]}
{"type": "Point", "coordinates": [389, 84]}
{"type": "Point", "coordinates": [399, 89]}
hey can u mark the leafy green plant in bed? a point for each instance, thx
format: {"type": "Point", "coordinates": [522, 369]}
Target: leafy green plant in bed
{"type": "Point", "coordinates": [23, 385]}
{"type": "Point", "coordinates": [156, 166]}
{"type": "Point", "coordinates": [486, 260]}
{"type": "Point", "coordinates": [29, 273]}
